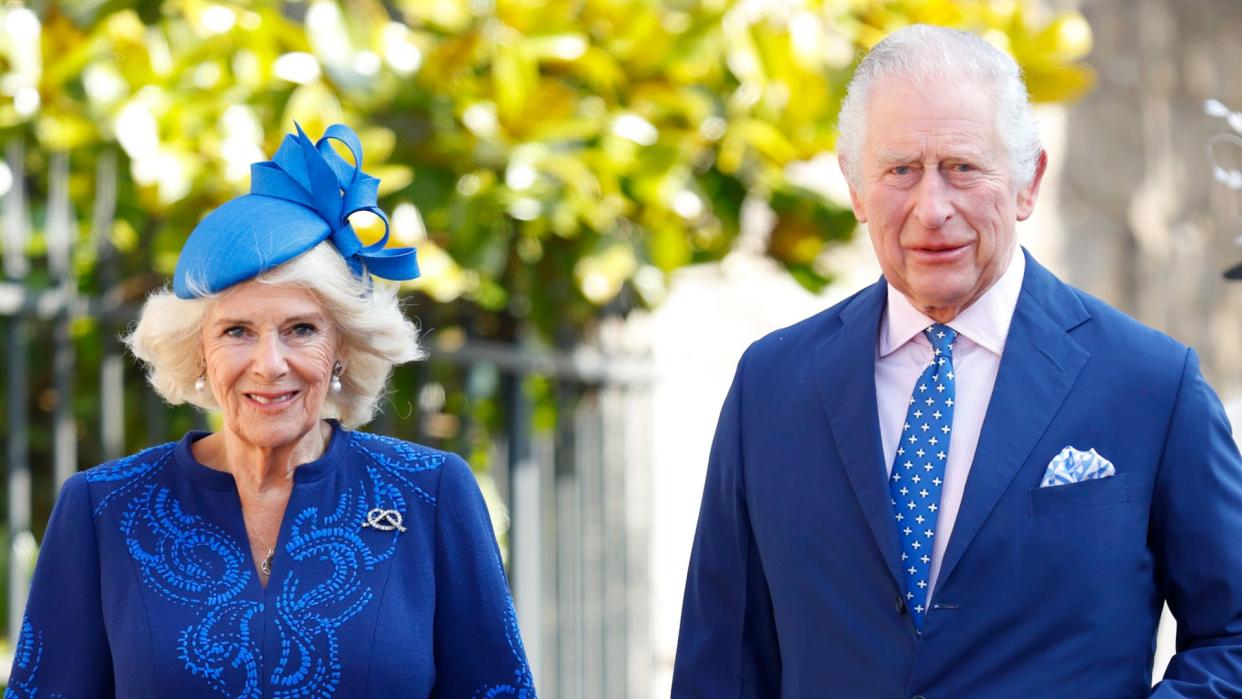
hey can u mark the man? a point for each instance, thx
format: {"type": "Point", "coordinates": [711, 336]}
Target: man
{"type": "Point", "coordinates": [968, 480]}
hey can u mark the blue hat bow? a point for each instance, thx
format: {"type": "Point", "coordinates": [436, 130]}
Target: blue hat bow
{"type": "Point", "coordinates": [305, 194]}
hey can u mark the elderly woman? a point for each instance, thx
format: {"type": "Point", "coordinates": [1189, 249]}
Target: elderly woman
{"type": "Point", "coordinates": [285, 555]}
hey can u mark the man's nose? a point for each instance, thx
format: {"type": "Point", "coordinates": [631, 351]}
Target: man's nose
{"type": "Point", "coordinates": [932, 206]}
{"type": "Point", "coordinates": [270, 360]}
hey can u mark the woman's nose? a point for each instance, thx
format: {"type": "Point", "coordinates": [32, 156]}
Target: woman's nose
{"type": "Point", "coordinates": [270, 359]}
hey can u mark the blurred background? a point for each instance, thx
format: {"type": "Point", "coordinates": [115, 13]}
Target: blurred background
{"type": "Point", "coordinates": [610, 199]}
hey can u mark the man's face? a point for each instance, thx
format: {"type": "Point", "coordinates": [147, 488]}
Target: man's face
{"type": "Point", "coordinates": [937, 193]}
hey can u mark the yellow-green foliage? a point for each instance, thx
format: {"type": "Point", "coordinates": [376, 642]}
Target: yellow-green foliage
{"type": "Point", "coordinates": [548, 157]}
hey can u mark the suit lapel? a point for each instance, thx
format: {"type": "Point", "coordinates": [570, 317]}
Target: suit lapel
{"type": "Point", "coordinates": [845, 372]}
{"type": "Point", "coordinates": [1040, 364]}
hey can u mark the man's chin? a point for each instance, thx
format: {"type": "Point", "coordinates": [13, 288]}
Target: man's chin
{"type": "Point", "coordinates": [937, 303]}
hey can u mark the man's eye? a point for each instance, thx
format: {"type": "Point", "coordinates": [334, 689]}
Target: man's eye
{"type": "Point", "coordinates": [963, 167]}
{"type": "Point", "coordinates": [902, 170]}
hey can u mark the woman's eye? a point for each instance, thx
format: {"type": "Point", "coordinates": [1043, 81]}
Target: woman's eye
{"type": "Point", "coordinates": [303, 330]}
{"type": "Point", "coordinates": [235, 331]}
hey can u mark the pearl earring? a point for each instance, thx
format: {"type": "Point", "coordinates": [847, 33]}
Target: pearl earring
{"type": "Point", "coordinates": [200, 383]}
{"type": "Point", "coordinates": [336, 377]}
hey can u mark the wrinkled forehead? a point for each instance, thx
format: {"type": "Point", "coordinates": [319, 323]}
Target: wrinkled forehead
{"type": "Point", "coordinates": [257, 301]}
{"type": "Point", "coordinates": [935, 96]}
{"type": "Point", "coordinates": [907, 117]}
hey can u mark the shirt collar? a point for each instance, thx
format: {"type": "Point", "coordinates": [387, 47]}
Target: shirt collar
{"type": "Point", "coordinates": [985, 322]}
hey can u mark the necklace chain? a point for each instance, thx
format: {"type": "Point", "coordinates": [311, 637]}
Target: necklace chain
{"type": "Point", "coordinates": [265, 565]}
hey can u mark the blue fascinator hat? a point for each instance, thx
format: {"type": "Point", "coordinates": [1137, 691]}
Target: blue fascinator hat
{"type": "Point", "coordinates": [300, 198]}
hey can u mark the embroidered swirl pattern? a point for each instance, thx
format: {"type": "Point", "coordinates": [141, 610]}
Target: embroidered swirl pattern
{"type": "Point", "coordinates": [190, 561]}
{"type": "Point", "coordinates": [133, 470]}
{"type": "Point", "coordinates": [309, 613]}
{"type": "Point", "coordinates": [28, 653]}
{"type": "Point", "coordinates": [223, 648]}
{"type": "Point", "coordinates": [183, 557]}
{"type": "Point", "coordinates": [523, 686]}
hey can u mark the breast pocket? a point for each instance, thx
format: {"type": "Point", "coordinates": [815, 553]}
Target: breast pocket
{"type": "Point", "coordinates": [1087, 495]}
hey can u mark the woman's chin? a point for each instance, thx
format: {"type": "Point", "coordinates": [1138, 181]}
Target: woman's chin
{"type": "Point", "coordinates": [273, 431]}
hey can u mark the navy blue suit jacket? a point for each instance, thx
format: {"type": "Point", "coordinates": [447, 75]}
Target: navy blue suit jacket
{"type": "Point", "coordinates": [794, 588]}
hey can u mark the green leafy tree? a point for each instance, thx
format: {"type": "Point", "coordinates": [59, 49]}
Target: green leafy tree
{"type": "Point", "coordinates": [553, 161]}
{"type": "Point", "coordinates": [550, 158]}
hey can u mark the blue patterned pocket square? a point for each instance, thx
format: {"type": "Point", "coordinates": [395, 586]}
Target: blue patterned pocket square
{"type": "Point", "coordinates": [1073, 466]}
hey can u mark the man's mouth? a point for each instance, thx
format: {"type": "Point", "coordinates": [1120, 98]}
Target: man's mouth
{"type": "Point", "coordinates": [938, 252]}
{"type": "Point", "coordinates": [940, 247]}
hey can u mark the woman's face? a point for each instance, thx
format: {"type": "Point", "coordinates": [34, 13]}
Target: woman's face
{"type": "Point", "coordinates": [269, 352]}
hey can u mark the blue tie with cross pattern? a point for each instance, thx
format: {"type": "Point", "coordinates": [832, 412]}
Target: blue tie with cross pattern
{"type": "Point", "coordinates": [918, 468]}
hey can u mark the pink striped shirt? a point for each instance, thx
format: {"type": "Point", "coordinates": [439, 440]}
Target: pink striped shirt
{"type": "Point", "coordinates": [902, 352]}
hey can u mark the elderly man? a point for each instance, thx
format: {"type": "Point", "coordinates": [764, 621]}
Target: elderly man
{"type": "Point", "coordinates": [969, 479]}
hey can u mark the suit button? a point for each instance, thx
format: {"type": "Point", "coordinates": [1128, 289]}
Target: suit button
{"type": "Point", "coordinates": [918, 696]}
{"type": "Point", "coordinates": [899, 603]}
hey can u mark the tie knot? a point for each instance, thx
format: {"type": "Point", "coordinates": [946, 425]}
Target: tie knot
{"type": "Point", "coordinates": [941, 337]}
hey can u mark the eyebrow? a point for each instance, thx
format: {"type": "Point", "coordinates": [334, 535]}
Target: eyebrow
{"type": "Point", "coordinates": [897, 157]}
{"type": "Point", "coordinates": [304, 318]}
{"type": "Point", "coordinates": [890, 157]}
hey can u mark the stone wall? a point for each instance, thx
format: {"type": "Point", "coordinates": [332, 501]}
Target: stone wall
{"type": "Point", "coordinates": [1142, 224]}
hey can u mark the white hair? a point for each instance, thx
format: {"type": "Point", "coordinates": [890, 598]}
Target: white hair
{"type": "Point", "coordinates": [375, 334]}
{"type": "Point", "coordinates": [923, 53]}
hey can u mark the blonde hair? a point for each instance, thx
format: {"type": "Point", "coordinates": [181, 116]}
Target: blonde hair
{"type": "Point", "coordinates": [375, 335]}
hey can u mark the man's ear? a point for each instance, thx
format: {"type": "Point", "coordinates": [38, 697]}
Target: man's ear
{"type": "Point", "coordinates": [855, 201]}
{"type": "Point", "coordinates": [1029, 193]}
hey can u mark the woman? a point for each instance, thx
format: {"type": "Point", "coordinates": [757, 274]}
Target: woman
{"type": "Point", "coordinates": [285, 555]}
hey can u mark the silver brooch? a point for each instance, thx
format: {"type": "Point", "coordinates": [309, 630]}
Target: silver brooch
{"type": "Point", "coordinates": [383, 520]}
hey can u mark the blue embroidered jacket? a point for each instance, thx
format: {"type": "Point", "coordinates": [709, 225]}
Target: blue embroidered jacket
{"type": "Point", "coordinates": [145, 586]}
